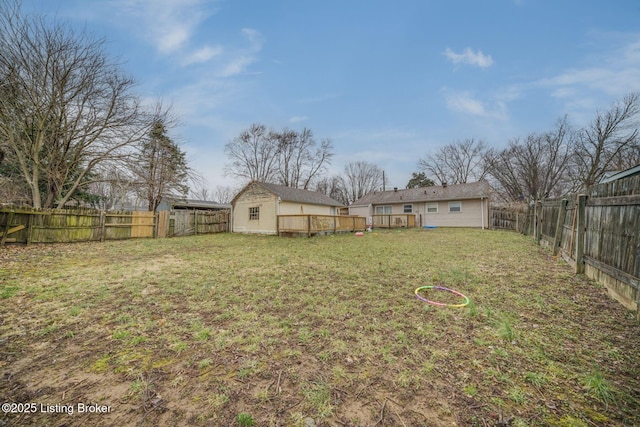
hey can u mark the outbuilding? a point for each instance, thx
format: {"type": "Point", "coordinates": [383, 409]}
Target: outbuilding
{"type": "Point", "coordinates": [255, 209]}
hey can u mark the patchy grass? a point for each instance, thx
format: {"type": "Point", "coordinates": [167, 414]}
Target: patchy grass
{"type": "Point", "coordinates": [234, 330]}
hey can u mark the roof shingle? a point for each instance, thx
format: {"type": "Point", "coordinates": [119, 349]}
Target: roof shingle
{"type": "Point", "coordinates": [290, 194]}
{"type": "Point", "coordinates": [473, 190]}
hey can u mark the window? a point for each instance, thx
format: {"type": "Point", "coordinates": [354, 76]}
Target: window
{"type": "Point", "coordinates": [408, 208]}
{"type": "Point", "coordinates": [254, 213]}
{"type": "Point", "coordinates": [432, 207]}
{"type": "Point", "coordinates": [455, 206]}
{"type": "Point", "coordinates": [383, 210]}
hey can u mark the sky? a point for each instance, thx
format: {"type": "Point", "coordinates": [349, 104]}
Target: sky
{"type": "Point", "coordinates": [388, 82]}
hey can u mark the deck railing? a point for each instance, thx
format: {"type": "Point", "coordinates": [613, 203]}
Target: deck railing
{"type": "Point", "coordinates": [319, 224]}
{"type": "Point", "coordinates": [394, 221]}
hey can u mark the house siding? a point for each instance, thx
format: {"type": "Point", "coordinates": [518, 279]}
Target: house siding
{"type": "Point", "coordinates": [274, 200]}
{"type": "Point", "coordinates": [255, 196]}
{"type": "Point", "coordinates": [294, 208]}
{"type": "Point", "coordinates": [471, 215]}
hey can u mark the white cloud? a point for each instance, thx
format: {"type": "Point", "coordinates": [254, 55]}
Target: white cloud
{"type": "Point", "coordinates": [236, 66]}
{"type": "Point", "coordinates": [298, 119]}
{"type": "Point", "coordinates": [609, 74]}
{"type": "Point", "coordinates": [203, 54]}
{"type": "Point", "coordinates": [238, 63]}
{"type": "Point", "coordinates": [465, 103]}
{"type": "Point", "coordinates": [168, 24]}
{"type": "Point", "coordinates": [469, 57]}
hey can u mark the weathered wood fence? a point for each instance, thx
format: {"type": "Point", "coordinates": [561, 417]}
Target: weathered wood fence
{"type": "Point", "coordinates": [508, 218]}
{"type": "Point", "coordinates": [598, 233]}
{"type": "Point", "coordinates": [55, 225]}
{"type": "Point", "coordinates": [310, 225]}
{"type": "Point", "coordinates": [189, 222]}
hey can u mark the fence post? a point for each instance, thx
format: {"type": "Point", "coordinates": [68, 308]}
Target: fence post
{"type": "Point", "coordinates": [580, 231]}
{"type": "Point", "coordinates": [538, 222]}
{"type": "Point", "coordinates": [102, 225]}
{"type": "Point", "coordinates": [6, 228]}
{"type": "Point", "coordinates": [557, 240]}
{"type": "Point", "coordinates": [29, 228]}
{"type": "Point", "coordinates": [308, 225]}
{"type": "Point", "coordinates": [195, 222]}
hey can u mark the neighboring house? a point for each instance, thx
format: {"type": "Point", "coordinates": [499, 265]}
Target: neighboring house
{"type": "Point", "coordinates": [256, 207]}
{"type": "Point", "coordinates": [616, 175]}
{"type": "Point", "coordinates": [461, 205]}
{"type": "Point", "coordinates": [168, 204]}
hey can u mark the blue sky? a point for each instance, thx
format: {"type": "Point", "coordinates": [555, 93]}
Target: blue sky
{"type": "Point", "coordinates": [386, 81]}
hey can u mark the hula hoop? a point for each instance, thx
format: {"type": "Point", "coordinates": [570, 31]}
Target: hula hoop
{"type": "Point", "coordinates": [440, 304]}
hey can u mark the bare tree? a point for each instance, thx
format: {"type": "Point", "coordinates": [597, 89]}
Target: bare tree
{"type": "Point", "coordinates": [253, 154]}
{"type": "Point", "coordinates": [300, 158]}
{"type": "Point", "coordinates": [288, 157]}
{"type": "Point", "coordinates": [361, 178]}
{"type": "Point", "coordinates": [610, 141]}
{"type": "Point", "coordinates": [334, 187]}
{"type": "Point", "coordinates": [65, 107]}
{"type": "Point", "coordinates": [112, 187]}
{"type": "Point", "coordinates": [534, 167]}
{"type": "Point", "coordinates": [456, 163]}
{"type": "Point", "coordinates": [224, 193]}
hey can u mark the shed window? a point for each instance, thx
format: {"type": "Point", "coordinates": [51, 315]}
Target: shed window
{"type": "Point", "coordinates": [408, 208]}
{"type": "Point", "coordinates": [254, 213]}
{"type": "Point", "coordinates": [455, 206]}
{"type": "Point", "coordinates": [432, 207]}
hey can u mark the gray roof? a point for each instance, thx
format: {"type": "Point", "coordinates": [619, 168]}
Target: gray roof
{"type": "Point", "coordinates": [168, 203]}
{"type": "Point", "coordinates": [473, 190]}
{"type": "Point", "coordinates": [290, 194]}
{"type": "Point", "coordinates": [615, 175]}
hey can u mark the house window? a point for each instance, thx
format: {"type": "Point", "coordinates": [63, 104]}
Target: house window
{"type": "Point", "coordinates": [432, 207]}
{"type": "Point", "coordinates": [254, 213]}
{"type": "Point", "coordinates": [407, 208]}
{"type": "Point", "coordinates": [455, 206]}
{"type": "Point", "coordinates": [383, 210]}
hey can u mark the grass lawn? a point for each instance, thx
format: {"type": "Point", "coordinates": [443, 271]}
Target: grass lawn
{"type": "Point", "coordinates": [237, 330]}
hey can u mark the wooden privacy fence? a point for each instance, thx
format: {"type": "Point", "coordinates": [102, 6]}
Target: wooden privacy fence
{"type": "Point", "coordinates": [310, 225]}
{"type": "Point", "coordinates": [191, 222]}
{"type": "Point", "coordinates": [598, 233]}
{"type": "Point", "coordinates": [56, 225]}
{"type": "Point", "coordinates": [508, 218]}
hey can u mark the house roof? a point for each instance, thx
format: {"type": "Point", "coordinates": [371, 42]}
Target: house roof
{"type": "Point", "coordinates": [615, 175]}
{"type": "Point", "coordinates": [290, 194]}
{"type": "Point", "coordinates": [473, 190]}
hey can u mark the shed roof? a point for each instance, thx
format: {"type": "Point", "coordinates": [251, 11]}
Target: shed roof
{"type": "Point", "coordinates": [473, 190]}
{"type": "Point", "coordinates": [615, 175]}
{"type": "Point", "coordinates": [290, 194]}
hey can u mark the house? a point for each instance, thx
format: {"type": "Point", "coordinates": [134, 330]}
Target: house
{"type": "Point", "coordinates": [256, 207]}
{"type": "Point", "coordinates": [461, 205]}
